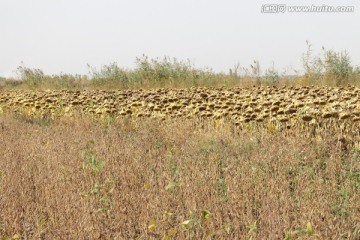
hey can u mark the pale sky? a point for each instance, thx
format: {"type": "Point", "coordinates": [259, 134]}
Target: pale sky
{"type": "Point", "coordinates": [65, 36]}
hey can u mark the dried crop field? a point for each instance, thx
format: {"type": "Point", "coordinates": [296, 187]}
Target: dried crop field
{"type": "Point", "coordinates": [197, 163]}
{"type": "Point", "coordinates": [239, 105]}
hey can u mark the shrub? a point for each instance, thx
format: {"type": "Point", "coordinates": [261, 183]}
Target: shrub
{"type": "Point", "coordinates": [338, 66]}
{"type": "Point", "coordinates": [109, 74]}
{"type": "Point", "coordinates": [32, 77]}
{"type": "Point", "coordinates": [332, 68]}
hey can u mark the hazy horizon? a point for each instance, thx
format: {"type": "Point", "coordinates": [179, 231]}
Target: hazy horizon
{"type": "Point", "coordinates": [63, 37]}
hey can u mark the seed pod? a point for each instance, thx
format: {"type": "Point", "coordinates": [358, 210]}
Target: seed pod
{"type": "Point", "coordinates": [260, 119]}
{"type": "Point", "coordinates": [356, 119]}
{"type": "Point", "coordinates": [274, 109]}
{"type": "Point", "coordinates": [327, 115]}
{"type": "Point", "coordinates": [291, 110]}
{"type": "Point", "coordinates": [344, 115]}
{"type": "Point", "coordinates": [307, 118]}
{"type": "Point", "coordinates": [202, 108]}
{"type": "Point", "coordinates": [284, 119]}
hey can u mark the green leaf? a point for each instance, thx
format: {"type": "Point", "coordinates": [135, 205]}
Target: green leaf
{"type": "Point", "coordinates": [171, 186]}
{"type": "Point", "coordinates": [170, 233]}
{"type": "Point", "coordinates": [227, 228]}
{"type": "Point", "coordinates": [205, 214]}
{"type": "Point", "coordinates": [152, 227]}
{"type": "Point", "coordinates": [309, 229]}
{"type": "Point", "coordinates": [188, 223]}
{"type": "Point", "coordinates": [16, 236]}
{"type": "Point", "coordinates": [104, 208]}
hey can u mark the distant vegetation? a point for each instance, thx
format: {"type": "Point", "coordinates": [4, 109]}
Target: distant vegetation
{"type": "Point", "coordinates": [330, 68]}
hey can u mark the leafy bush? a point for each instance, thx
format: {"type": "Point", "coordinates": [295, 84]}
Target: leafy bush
{"type": "Point", "coordinates": [64, 81]}
{"type": "Point", "coordinates": [272, 76]}
{"type": "Point", "coordinates": [332, 68]}
{"type": "Point", "coordinates": [338, 66]}
{"type": "Point", "coordinates": [166, 69]}
{"type": "Point", "coordinates": [157, 72]}
{"type": "Point", "coordinates": [33, 77]}
{"type": "Point", "coordinates": [109, 74]}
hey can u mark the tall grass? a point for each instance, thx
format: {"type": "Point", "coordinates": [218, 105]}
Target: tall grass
{"type": "Point", "coordinates": [328, 68]}
{"type": "Point", "coordinates": [164, 72]}
{"type": "Point", "coordinates": [37, 79]}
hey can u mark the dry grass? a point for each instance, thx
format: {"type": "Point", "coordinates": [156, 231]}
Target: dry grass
{"type": "Point", "coordinates": [177, 180]}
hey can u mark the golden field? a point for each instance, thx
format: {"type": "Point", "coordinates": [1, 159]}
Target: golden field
{"type": "Point", "coordinates": [196, 163]}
